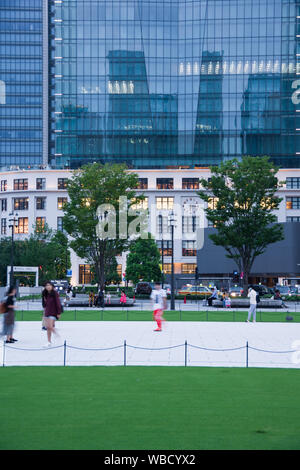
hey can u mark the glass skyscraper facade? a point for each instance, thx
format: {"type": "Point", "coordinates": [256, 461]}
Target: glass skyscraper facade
{"type": "Point", "coordinates": [157, 84]}
{"type": "Point", "coordinates": [21, 82]}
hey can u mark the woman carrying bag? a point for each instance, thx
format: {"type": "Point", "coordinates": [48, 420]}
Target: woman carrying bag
{"type": "Point", "coordinates": [52, 309]}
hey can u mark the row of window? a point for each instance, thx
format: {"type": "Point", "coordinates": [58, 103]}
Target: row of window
{"type": "Point", "coordinates": [21, 225]}
{"type": "Point", "coordinates": [193, 183]}
{"type": "Point", "coordinates": [86, 273]}
{"type": "Point", "coordinates": [161, 183]}
{"type": "Point", "coordinates": [22, 203]}
{"type": "Point", "coordinates": [22, 184]}
{"type": "Point", "coordinates": [188, 247]}
{"type": "Point", "coordinates": [190, 223]}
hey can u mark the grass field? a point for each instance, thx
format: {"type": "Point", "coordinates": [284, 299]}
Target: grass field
{"type": "Point", "coordinates": [149, 408]}
{"type": "Point", "coordinates": [146, 315]}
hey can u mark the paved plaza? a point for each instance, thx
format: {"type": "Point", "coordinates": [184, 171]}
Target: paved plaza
{"type": "Point", "coordinates": [179, 344]}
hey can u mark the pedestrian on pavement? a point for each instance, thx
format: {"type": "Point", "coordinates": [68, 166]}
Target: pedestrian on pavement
{"type": "Point", "coordinates": [159, 300]}
{"type": "Point", "coordinates": [123, 298]}
{"type": "Point", "coordinates": [9, 315]}
{"type": "Point", "coordinates": [253, 302]}
{"type": "Point", "coordinates": [53, 309]}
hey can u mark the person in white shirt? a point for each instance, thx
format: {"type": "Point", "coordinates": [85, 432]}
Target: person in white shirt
{"type": "Point", "coordinates": [159, 300]}
{"type": "Point", "coordinates": [252, 310]}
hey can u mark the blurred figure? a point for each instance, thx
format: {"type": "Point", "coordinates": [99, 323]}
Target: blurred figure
{"type": "Point", "coordinates": [100, 298]}
{"type": "Point", "coordinates": [123, 298]}
{"type": "Point", "coordinates": [91, 299]}
{"type": "Point", "coordinates": [227, 300]}
{"type": "Point", "coordinates": [9, 315]}
{"type": "Point", "coordinates": [159, 299]}
{"type": "Point", "coordinates": [53, 309]}
{"type": "Point", "coordinates": [252, 310]}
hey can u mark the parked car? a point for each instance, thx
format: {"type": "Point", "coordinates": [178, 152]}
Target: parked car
{"type": "Point", "coordinates": [167, 288]}
{"type": "Point", "coordinates": [143, 288]}
{"type": "Point", "coordinates": [195, 290]}
{"type": "Point", "coordinates": [236, 291]}
{"type": "Point", "coordinates": [261, 289]}
{"type": "Point", "coordinates": [285, 291]}
{"type": "Point", "coordinates": [60, 285]}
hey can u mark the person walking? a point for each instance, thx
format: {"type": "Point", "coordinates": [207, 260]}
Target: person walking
{"type": "Point", "coordinates": [9, 315]}
{"type": "Point", "coordinates": [100, 298]}
{"type": "Point", "coordinates": [252, 294]}
{"type": "Point", "coordinates": [123, 298]}
{"type": "Point", "coordinates": [53, 309]}
{"type": "Point", "coordinates": [159, 300]}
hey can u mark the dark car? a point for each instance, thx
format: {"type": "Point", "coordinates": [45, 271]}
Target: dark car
{"type": "Point", "coordinates": [261, 289]}
{"type": "Point", "coordinates": [143, 288]}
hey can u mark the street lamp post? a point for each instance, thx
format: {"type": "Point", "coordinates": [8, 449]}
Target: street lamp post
{"type": "Point", "coordinates": [162, 250]}
{"type": "Point", "coordinates": [172, 221]}
{"type": "Point", "coordinates": [13, 222]}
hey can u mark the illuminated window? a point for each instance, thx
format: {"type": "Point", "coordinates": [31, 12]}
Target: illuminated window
{"type": "Point", "coordinates": [164, 183]}
{"type": "Point", "coordinates": [60, 202]}
{"type": "Point", "coordinates": [164, 203]}
{"type": "Point", "coordinates": [22, 225]}
{"type": "Point", "coordinates": [140, 205]}
{"type": "Point", "coordinates": [189, 248]}
{"type": "Point", "coordinates": [4, 185]}
{"type": "Point", "coordinates": [293, 203]}
{"type": "Point", "coordinates": [143, 183]}
{"type": "Point", "coordinates": [40, 223]}
{"type": "Point", "coordinates": [21, 184]}
{"type": "Point", "coordinates": [62, 183]}
{"type": "Point", "coordinates": [166, 246]}
{"type": "Point", "coordinates": [188, 268]}
{"type": "Point", "coordinates": [21, 204]}
{"type": "Point", "coordinates": [190, 183]}
{"type": "Point", "coordinates": [85, 274]}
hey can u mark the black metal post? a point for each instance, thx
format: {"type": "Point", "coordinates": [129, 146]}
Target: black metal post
{"type": "Point", "coordinates": [65, 352]}
{"type": "Point", "coordinates": [247, 354]}
{"type": "Point", "coordinates": [125, 352]}
{"type": "Point", "coordinates": [185, 353]}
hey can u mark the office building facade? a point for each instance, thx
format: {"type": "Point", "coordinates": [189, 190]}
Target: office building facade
{"type": "Point", "coordinates": [23, 82]}
{"type": "Point", "coordinates": [168, 84]}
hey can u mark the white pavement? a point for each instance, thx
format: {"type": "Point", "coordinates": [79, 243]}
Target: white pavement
{"type": "Point", "coordinates": [87, 343]}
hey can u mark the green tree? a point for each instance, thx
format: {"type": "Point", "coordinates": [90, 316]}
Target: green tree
{"type": "Point", "coordinates": [244, 199]}
{"type": "Point", "coordinates": [44, 248]}
{"type": "Point", "coordinates": [91, 187]}
{"type": "Point", "coordinates": [143, 261]}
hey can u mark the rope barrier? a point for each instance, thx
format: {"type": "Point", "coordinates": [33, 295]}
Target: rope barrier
{"type": "Point", "coordinates": [125, 345]}
{"type": "Point", "coordinates": [155, 349]}
{"type": "Point", "coordinates": [275, 352]}
{"type": "Point", "coordinates": [94, 349]}
{"type": "Point", "coordinates": [210, 349]}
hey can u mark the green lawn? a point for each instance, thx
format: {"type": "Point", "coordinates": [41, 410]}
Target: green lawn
{"type": "Point", "coordinates": [144, 315]}
{"type": "Point", "coordinates": [149, 408]}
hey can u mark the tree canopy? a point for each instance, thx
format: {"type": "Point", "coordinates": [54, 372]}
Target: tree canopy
{"type": "Point", "coordinates": [241, 200]}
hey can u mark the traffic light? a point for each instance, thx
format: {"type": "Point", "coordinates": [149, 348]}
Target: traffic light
{"type": "Point", "coordinates": [196, 274]}
{"type": "Point", "coordinates": [235, 276]}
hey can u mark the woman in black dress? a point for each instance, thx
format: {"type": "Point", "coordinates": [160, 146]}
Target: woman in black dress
{"type": "Point", "coordinates": [9, 316]}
